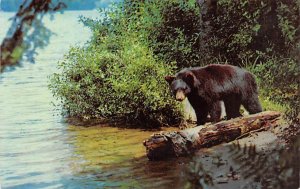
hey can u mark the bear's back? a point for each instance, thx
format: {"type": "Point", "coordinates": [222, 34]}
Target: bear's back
{"type": "Point", "coordinates": [216, 72]}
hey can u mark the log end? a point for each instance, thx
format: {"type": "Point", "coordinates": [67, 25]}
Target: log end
{"type": "Point", "coordinates": [158, 147]}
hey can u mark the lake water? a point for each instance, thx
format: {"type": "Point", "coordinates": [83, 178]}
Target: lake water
{"type": "Point", "coordinates": [38, 149]}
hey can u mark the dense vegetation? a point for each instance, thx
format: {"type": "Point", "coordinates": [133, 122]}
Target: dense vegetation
{"type": "Point", "coordinates": [134, 45]}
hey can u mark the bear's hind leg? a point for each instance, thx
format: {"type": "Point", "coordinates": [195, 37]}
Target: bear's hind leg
{"type": "Point", "coordinates": [232, 106]}
{"type": "Point", "coordinates": [215, 112]}
{"type": "Point", "coordinates": [252, 104]}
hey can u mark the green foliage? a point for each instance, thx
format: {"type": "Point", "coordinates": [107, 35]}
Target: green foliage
{"type": "Point", "coordinates": [222, 30]}
{"type": "Point", "coordinates": [116, 76]}
{"type": "Point", "coordinates": [177, 36]}
{"type": "Point", "coordinates": [280, 80]}
{"type": "Point", "coordinates": [268, 104]}
{"type": "Point", "coordinates": [170, 28]}
{"type": "Point", "coordinates": [136, 43]}
{"type": "Point", "coordinates": [248, 29]}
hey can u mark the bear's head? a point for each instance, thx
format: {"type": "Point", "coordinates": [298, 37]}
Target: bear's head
{"type": "Point", "coordinates": [181, 84]}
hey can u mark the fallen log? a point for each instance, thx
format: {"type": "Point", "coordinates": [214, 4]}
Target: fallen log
{"type": "Point", "coordinates": [181, 143]}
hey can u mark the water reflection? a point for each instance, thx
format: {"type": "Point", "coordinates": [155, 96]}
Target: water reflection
{"type": "Point", "coordinates": [106, 145]}
{"type": "Point", "coordinates": [115, 157]}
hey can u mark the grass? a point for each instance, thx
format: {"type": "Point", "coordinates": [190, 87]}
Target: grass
{"type": "Point", "coordinates": [269, 105]}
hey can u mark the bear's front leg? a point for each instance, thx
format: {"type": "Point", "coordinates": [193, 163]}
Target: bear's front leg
{"type": "Point", "coordinates": [201, 118]}
{"type": "Point", "coordinates": [201, 114]}
{"type": "Point", "coordinates": [200, 107]}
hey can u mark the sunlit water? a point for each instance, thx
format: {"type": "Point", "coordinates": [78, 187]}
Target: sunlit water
{"type": "Point", "coordinates": [38, 149]}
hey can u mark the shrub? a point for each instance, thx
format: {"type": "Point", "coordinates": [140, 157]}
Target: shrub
{"type": "Point", "coordinates": [195, 34]}
{"type": "Point", "coordinates": [177, 36]}
{"type": "Point", "coordinates": [280, 80]}
{"type": "Point", "coordinates": [238, 30]}
{"type": "Point", "coordinates": [96, 83]}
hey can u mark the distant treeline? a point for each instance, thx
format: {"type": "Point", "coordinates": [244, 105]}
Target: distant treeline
{"type": "Point", "coordinates": [13, 5]}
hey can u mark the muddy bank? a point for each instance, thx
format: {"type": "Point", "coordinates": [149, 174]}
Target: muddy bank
{"type": "Point", "coordinates": [260, 160]}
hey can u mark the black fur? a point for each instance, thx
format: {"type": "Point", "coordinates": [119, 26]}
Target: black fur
{"type": "Point", "coordinates": [206, 86]}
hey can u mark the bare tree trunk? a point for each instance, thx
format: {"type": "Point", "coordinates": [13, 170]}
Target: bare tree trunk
{"type": "Point", "coordinates": [185, 142]}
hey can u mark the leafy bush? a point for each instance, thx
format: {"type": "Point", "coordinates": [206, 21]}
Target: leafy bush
{"type": "Point", "coordinates": [116, 76]}
{"type": "Point", "coordinates": [192, 33]}
{"type": "Point", "coordinates": [177, 36]}
{"type": "Point", "coordinates": [280, 80]}
{"type": "Point", "coordinates": [239, 30]}
{"type": "Point", "coordinates": [171, 28]}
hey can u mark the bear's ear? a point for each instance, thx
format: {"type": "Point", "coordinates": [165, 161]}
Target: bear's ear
{"type": "Point", "coordinates": [169, 79]}
{"type": "Point", "coordinates": [189, 78]}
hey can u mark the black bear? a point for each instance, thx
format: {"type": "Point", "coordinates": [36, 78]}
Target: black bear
{"type": "Point", "coordinates": [206, 86]}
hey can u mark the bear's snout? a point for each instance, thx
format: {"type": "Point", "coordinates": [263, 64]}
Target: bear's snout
{"type": "Point", "coordinates": [180, 96]}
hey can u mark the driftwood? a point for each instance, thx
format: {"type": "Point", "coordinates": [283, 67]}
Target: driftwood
{"type": "Point", "coordinates": [181, 143]}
